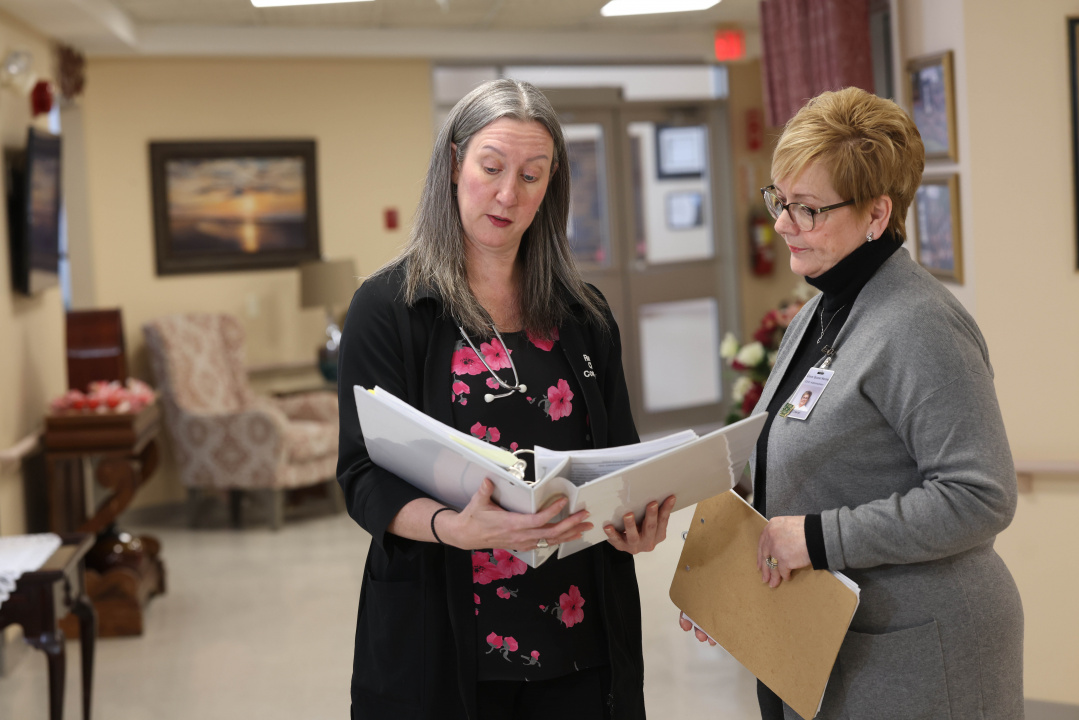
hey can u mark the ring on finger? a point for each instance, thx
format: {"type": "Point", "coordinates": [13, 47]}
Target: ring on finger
{"type": "Point", "coordinates": [542, 544]}
{"type": "Point", "coordinates": [771, 562]}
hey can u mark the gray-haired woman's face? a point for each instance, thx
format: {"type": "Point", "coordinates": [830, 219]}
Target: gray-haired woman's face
{"type": "Point", "coordinates": [501, 182]}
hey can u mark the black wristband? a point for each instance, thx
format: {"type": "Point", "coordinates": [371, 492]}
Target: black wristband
{"type": "Point", "coordinates": [433, 516]}
{"type": "Point", "coordinates": [818, 553]}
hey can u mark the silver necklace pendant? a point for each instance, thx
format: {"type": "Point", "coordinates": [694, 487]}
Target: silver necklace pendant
{"type": "Point", "coordinates": [517, 385]}
{"type": "Point", "coordinates": [824, 328]}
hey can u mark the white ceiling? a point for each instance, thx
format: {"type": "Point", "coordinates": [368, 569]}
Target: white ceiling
{"type": "Point", "coordinates": [442, 30]}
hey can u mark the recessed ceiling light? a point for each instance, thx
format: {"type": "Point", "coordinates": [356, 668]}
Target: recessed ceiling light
{"type": "Point", "coordinates": [283, 3]}
{"type": "Point", "coordinates": [649, 7]}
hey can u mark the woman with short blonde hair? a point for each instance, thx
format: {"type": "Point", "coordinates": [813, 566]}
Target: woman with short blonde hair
{"type": "Point", "coordinates": [900, 474]}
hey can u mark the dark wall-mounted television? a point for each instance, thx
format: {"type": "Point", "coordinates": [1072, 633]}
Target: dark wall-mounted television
{"type": "Point", "coordinates": [33, 185]}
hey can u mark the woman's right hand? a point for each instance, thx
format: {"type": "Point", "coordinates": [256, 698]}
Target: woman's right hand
{"type": "Point", "coordinates": [483, 524]}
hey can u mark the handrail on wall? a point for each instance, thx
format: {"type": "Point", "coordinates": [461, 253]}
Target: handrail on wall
{"type": "Point", "coordinates": [21, 449]}
{"type": "Point", "coordinates": [1025, 470]}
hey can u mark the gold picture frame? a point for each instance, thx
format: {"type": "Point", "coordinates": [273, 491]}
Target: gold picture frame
{"type": "Point", "coordinates": [936, 217]}
{"type": "Point", "coordinates": [930, 82]}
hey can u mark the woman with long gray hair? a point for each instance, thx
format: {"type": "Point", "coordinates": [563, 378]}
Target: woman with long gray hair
{"type": "Point", "coordinates": [484, 323]}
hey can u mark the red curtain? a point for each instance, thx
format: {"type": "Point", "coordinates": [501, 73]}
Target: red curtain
{"type": "Point", "coordinates": [810, 46]}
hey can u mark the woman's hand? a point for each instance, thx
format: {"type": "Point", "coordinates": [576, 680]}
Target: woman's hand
{"type": "Point", "coordinates": [784, 540]}
{"type": "Point", "coordinates": [483, 524]}
{"type": "Point", "coordinates": [685, 624]}
{"type": "Point", "coordinates": [643, 537]}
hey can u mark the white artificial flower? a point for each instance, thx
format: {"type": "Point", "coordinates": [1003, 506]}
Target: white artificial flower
{"type": "Point", "coordinates": [728, 347]}
{"type": "Point", "coordinates": [741, 386]}
{"type": "Point", "coordinates": [751, 354]}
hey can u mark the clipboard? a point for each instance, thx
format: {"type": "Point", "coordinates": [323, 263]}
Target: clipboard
{"type": "Point", "coordinates": [449, 466]}
{"type": "Point", "coordinates": [788, 636]}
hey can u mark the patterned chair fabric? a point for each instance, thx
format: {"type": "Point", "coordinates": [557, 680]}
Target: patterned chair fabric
{"type": "Point", "coordinates": [224, 436]}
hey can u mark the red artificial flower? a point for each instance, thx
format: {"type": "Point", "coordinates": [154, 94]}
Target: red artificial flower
{"type": "Point", "coordinates": [492, 383]}
{"type": "Point", "coordinates": [751, 398]}
{"type": "Point", "coordinates": [493, 435]}
{"type": "Point", "coordinates": [479, 430]}
{"type": "Point", "coordinates": [505, 594]}
{"type": "Point", "coordinates": [571, 604]}
{"type": "Point", "coordinates": [466, 362]}
{"type": "Point", "coordinates": [494, 640]}
{"type": "Point", "coordinates": [460, 388]}
{"type": "Point", "coordinates": [495, 354]}
{"type": "Point", "coordinates": [511, 644]}
{"type": "Point", "coordinates": [559, 397]}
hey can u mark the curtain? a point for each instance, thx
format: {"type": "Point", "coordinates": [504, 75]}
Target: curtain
{"type": "Point", "coordinates": [810, 46]}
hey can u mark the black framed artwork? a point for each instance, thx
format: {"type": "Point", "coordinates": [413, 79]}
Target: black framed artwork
{"type": "Point", "coordinates": [222, 206]}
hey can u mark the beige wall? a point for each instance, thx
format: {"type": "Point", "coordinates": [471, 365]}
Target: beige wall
{"type": "Point", "coordinates": [372, 123]}
{"type": "Point", "coordinates": [759, 293]}
{"type": "Point", "coordinates": [32, 368]}
{"type": "Point", "coordinates": [1020, 247]}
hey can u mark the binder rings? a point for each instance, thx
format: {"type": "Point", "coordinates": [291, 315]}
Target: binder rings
{"type": "Point", "coordinates": [449, 466]}
{"type": "Point", "coordinates": [788, 636]}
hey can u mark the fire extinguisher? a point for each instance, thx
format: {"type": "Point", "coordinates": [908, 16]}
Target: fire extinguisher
{"type": "Point", "coordinates": [762, 249]}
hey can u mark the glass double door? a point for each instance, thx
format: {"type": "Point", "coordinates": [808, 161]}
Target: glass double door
{"type": "Point", "coordinates": [650, 225]}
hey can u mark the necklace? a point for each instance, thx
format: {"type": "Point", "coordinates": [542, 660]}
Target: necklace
{"type": "Point", "coordinates": [517, 385]}
{"type": "Point", "coordinates": [824, 327]}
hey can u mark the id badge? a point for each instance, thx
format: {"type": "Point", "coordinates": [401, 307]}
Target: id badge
{"type": "Point", "coordinates": [803, 400]}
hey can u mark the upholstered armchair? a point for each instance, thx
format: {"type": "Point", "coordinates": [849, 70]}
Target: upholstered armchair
{"type": "Point", "coordinates": [223, 435]}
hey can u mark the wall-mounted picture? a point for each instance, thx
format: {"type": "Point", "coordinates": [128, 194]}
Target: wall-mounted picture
{"type": "Point", "coordinates": [936, 217]}
{"type": "Point", "coordinates": [685, 210]}
{"type": "Point", "coordinates": [681, 152]}
{"type": "Point", "coordinates": [233, 205]}
{"type": "Point", "coordinates": [932, 99]}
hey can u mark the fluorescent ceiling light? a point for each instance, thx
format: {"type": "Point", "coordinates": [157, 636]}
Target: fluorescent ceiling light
{"type": "Point", "coordinates": [283, 3]}
{"type": "Point", "coordinates": [649, 7]}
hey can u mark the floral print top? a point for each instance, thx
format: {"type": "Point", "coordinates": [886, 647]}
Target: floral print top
{"type": "Point", "coordinates": [531, 623]}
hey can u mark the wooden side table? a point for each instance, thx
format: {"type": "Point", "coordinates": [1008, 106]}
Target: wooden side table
{"type": "Point", "coordinates": [40, 599]}
{"type": "Point", "coordinates": [123, 573]}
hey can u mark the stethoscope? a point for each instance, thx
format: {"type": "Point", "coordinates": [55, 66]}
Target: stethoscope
{"type": "Point", "coordinates": [517, 385]}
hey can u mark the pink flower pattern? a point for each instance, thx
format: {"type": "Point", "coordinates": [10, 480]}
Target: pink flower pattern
{"type": "Point", "coordinates": [495, 354]}
{"type": "Point", "coordinates": [558, 399]}
{"type": "Point", "coordinates": [492, 568]}
{"type": "Point", "coordinates": [571, 604]}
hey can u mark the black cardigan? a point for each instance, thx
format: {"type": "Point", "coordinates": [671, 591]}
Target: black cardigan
{"type": "Point", "coordinates": [416, 651]}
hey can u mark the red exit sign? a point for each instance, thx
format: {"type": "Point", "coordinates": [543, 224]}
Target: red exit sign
{"type": "Point", "coordinates": [730, 45]}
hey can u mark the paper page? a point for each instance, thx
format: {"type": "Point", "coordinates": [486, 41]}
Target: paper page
{"type": "Point", "coordinates": [587, 465]}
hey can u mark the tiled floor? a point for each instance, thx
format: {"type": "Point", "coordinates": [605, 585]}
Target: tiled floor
{"type": "Point", "coordinates": [258, 624]}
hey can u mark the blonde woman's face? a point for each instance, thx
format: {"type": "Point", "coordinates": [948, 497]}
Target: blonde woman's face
{"type": "Point", "coordinates": [836, 233]}
{"type": "Point", "coordinates": [501, 182]}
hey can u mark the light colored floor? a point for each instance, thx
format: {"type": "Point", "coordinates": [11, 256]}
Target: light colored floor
{"type": "Point", "coordinates": [258, 624]}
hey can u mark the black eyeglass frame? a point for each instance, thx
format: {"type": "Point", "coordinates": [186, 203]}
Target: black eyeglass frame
{"type": "Point", "coordinates": [813, 212]}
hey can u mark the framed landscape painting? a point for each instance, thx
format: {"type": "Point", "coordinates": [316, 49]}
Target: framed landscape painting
{"type": "Point", "coordinates": [233, 205]}
{"type": "Point", "coordinates": [932, 99]}
{"type": "Point", "coordinates": [936, 216]}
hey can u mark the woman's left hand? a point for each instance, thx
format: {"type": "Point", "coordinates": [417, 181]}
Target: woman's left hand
{"type": "Point", "coordinates": [644, 537]}
{"type": "Point", "coordinates": [784, 540]}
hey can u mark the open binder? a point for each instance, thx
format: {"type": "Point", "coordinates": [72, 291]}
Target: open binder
{"type": "Point", "coordinates": [449, 466]}
{"type": "Point", "coordinates": [788, 636]}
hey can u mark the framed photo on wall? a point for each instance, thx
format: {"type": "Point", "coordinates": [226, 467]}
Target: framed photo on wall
{"type": "Point", "coordinates": [936, 216]}
{"type": "Point", "coordinates": [932, 99]}
{"type": "Point", "coordinates": [233, 205]}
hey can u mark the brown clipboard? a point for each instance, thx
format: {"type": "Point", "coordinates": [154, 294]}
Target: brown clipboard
{"type": "Point", "coordinates": [788, 636]}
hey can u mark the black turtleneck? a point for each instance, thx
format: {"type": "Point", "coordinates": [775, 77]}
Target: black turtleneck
{"type": "Point", "coordinates": [840, 286]}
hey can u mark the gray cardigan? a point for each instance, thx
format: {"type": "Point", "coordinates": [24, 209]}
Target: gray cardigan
{"type": "Point", "coordinates": [906, 459]}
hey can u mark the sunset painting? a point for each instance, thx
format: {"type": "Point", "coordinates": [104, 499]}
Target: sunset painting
{"type": "Point", "coordinates": [239, 211]}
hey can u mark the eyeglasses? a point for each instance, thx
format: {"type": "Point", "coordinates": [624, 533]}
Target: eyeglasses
{"type": "Point", "coordinates": [803, 216]}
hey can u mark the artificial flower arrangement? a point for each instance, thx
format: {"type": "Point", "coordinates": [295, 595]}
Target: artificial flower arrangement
{"type": "Point", "coordinates": [755, 359]}
{"type": "Point", "coordinates": [105, 397]}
